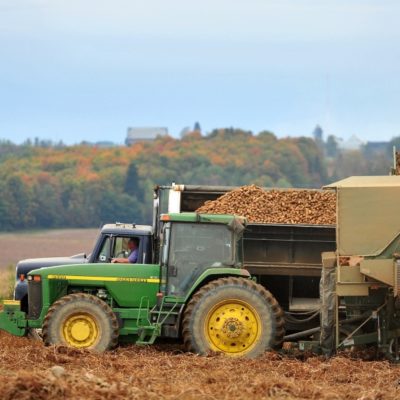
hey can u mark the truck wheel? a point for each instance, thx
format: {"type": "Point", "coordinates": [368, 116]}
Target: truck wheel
{"type": "Point", "coordinates": [234, 316]}
{"type": "Point", "coordinates": [83, 321]}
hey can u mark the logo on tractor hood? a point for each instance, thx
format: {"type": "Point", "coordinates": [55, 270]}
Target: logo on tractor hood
{"type": "Point", "coordinates": [104, 278]}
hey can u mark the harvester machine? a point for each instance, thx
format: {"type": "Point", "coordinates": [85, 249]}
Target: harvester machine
{"type": "Point", "coordinates": [360, 284]}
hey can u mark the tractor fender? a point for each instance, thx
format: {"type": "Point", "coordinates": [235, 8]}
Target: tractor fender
{"type": "Point", "coordinates": [215, 273]}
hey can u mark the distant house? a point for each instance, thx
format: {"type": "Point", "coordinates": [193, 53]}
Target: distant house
{"type": "Point", "coordinates": [353, 143]}
{"type": "Point", "coordinates": [139, 134]}
{"type": "Point", "coordinates": [101, 144]}
{"type": "Point", "coordinates": [375, 148]}
{"type": "Point", "coordinates": [105, 144]}
{"type": "Point", "coordinates": [369, 148]}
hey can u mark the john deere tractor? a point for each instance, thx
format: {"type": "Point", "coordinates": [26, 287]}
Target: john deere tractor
{"type": "Point", "coordinates": [198, 291]}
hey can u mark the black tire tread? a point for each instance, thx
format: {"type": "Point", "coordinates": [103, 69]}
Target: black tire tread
{"type": "Point", "coordinates": [277, 311]}
{"type": "Point", "coordinates": [91, 299]}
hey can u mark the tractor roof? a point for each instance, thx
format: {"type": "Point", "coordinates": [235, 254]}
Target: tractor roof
{"type": "Point", "coordinates": [203, 218]}
{"type": "Point", "coordinates": [127, 229]}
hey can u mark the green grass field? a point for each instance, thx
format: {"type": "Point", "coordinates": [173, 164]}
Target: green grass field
{"type": "Point", "coordinates": [6, 282]}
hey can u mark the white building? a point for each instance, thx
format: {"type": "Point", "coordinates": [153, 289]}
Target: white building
{"type": "Point", "coordinates": [352, 143]}
{"type": "Point", "coordinates": [147, 133]}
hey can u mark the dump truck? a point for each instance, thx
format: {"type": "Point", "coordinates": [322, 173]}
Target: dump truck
{"type": "Point", "coordinates": [198, 291]}
{"type": "Point", "coordinates": [284, 258]}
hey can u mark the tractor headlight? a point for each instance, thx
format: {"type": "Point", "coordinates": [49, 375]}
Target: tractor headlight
{"type": "Point", "coordinates": [35, 278]}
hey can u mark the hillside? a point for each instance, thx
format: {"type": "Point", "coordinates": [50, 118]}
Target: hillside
{"type": "Point", "coordinates": [85, 186]}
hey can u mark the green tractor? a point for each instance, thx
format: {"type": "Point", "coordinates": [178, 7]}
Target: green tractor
{"type": "Point", "coordinates": [198, 291]}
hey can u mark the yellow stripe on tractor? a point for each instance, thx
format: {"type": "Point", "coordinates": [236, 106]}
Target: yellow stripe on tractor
{"type": "Point", "coordinates": [11, 302]}
{"type": "Point", "coordinates": [104, 278]}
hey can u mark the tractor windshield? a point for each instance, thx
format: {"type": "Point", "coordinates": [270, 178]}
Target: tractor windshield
{"type": "Point", "coordinates": [194, 248]}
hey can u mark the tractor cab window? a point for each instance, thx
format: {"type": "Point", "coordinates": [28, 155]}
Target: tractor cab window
{"type": "Point", "coordinates": [121, 247]}
{"type": "Point", "coordinates": [165, 241]}
{"type": "Point", "coordinates": [165, 238]}
{"type": "Point", "coordinates": [105, 251]}
{"type": "Point", "coordinates": [195, 248]}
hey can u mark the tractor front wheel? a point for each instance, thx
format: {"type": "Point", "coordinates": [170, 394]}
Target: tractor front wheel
{"type": "Point", "coordinates": [234, 316]}
{"type": "Point", "coordinates": [82, 321]}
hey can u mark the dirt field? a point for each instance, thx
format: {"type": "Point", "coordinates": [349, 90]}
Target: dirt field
{"type": "Point", "coordinates": [164, 371]}
{"type": "Point", "coordinates": [29, 370]}
{"type": "Point", "coordinates": [52, 243]}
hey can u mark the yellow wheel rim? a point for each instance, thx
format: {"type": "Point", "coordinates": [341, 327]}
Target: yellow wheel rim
{"type": "Point", "coordinates": [80, 330]}
{"type": "Point", "coordinates": [233, 327]}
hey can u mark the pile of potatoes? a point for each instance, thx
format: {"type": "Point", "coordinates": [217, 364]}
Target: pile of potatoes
{"type": "Point", "coordinates": [288, 206]}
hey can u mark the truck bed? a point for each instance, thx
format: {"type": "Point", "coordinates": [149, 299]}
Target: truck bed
{"type": "Point", "coordinates": [290, 250]}
{"type": "Point", "coordinates": [272, 249]}
{"type": "Point", "coordinates": [285, 258]}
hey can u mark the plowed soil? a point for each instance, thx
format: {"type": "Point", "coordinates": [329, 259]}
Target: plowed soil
{"type": "Point", "coordinates": [51, 243]}
{"type": "Point", "coordinates": [31, 371]}
{"type": "Point", "coordinates": [28, 370]}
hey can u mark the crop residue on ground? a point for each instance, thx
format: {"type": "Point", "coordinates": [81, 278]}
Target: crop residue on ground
{"type": "Point", "coordinates": [31, 371]}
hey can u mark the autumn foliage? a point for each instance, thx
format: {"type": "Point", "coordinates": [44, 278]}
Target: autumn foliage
{"type": "Point", "coordinates": [85, 186]}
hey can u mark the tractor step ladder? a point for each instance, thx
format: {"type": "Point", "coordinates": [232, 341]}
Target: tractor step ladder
{"type": "Point", "coordinates": [149, 332]}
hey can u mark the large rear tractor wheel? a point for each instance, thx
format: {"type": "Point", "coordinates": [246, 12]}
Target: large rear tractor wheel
{"type": "Point", "coordinates": [82, 321]}
{"type": "Point", "coordinates": [234, 316]}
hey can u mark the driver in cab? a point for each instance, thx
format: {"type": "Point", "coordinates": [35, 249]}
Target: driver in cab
{"type": "Point", "coordinates": [133, 245]}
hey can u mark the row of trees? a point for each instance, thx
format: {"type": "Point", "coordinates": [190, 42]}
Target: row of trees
{"type": "Point", "coordinates": [86, 186]}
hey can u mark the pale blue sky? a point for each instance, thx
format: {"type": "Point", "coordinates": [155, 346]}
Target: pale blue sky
{"type": "Point", "coordinates": [86, 70]}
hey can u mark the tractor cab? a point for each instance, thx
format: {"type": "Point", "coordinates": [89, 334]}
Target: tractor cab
{"type": "Point", "coordinates": [193, 244]}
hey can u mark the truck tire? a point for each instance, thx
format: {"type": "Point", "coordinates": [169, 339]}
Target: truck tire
{"type": "Point", "coordinates": [234, 316]}
{"type": "Point", "coordinates": [82, 321]}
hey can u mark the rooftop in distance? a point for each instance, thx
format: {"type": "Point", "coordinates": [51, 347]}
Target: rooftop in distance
{"type": "Point", "coordinates": [137, 134]}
